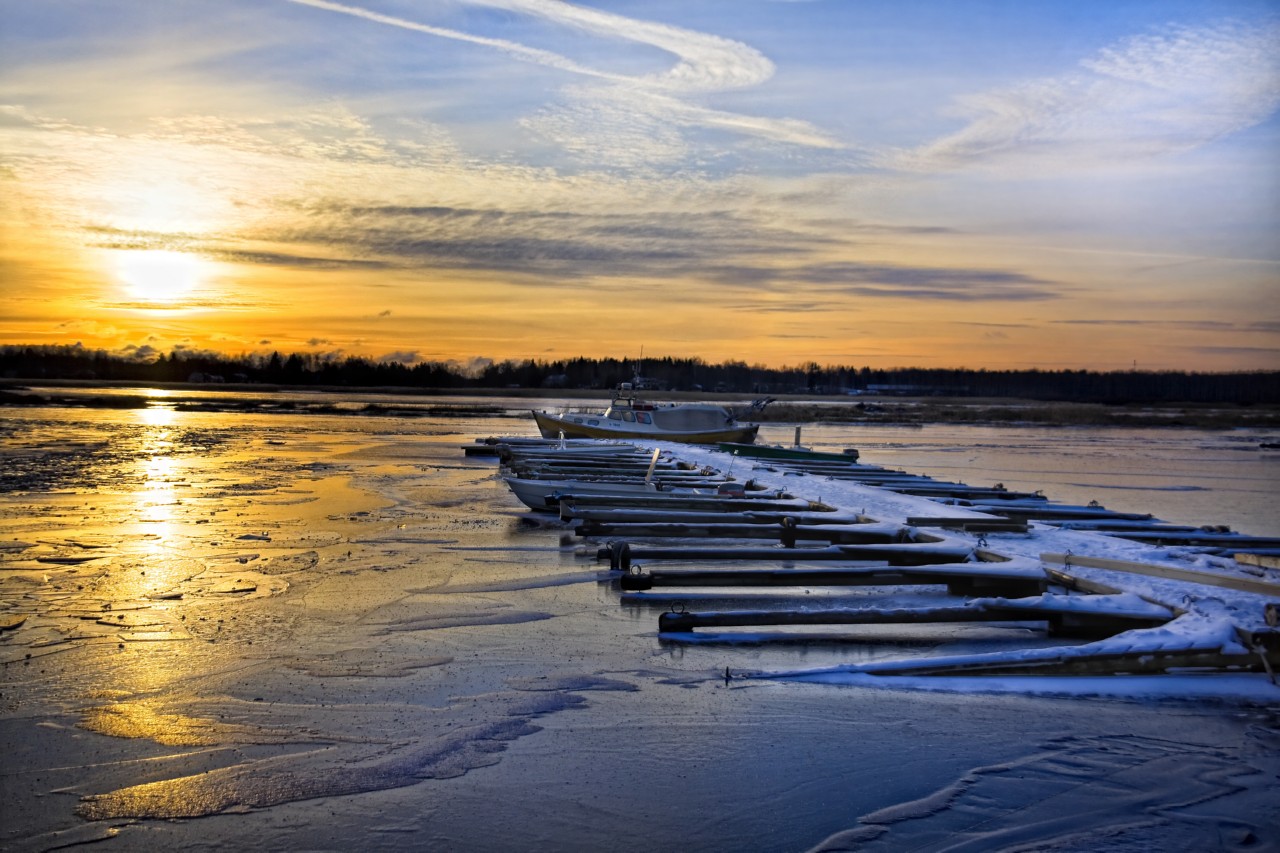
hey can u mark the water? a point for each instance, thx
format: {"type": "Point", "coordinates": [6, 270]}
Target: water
{"type": "Point", "coordinates": [1185, 476]}
{"type": "Point", "coordinates": [328, 632]}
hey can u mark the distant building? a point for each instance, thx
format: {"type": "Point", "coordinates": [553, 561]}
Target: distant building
{"type": "Point", "coordinates": [643, 383]}
{"type": "Point", "coordinates": [913, 390]}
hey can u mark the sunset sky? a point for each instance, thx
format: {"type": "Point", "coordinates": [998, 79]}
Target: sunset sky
{"type": "Point", "coordinates": [899, 183]}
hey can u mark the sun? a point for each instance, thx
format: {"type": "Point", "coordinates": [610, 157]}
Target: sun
{"type": "Point", "coordinates": [159, 276]}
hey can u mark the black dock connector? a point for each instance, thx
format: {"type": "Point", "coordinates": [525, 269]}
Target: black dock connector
{"type": "Point", "coordinates": [634, 581]}
{"type": "Point", "coordinates": [674, 622]}
{"type": "Point", "coordinates": [620, 556]}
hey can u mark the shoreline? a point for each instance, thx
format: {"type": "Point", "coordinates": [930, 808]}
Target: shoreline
{"type": "Point", "coordinates": [785, 409]}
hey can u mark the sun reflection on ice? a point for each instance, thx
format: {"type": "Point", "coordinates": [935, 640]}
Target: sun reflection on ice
{"type": "Point", "coordinates": [156, 501]}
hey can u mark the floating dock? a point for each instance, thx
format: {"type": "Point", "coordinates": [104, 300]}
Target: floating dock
{"type": "Point", "coordinates": [718, 537]}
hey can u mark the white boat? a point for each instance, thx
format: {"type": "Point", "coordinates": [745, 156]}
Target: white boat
{"type": "Point", "coordinates": [630, 417]}
{"type": "Point", "coordinates": [534, 493]}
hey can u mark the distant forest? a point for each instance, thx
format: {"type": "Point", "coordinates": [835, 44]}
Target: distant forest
{"type": "Point", "coordinates": [660, 374]}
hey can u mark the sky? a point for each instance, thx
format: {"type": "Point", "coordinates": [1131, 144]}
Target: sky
{"type": "Point", "coordinates": [889, 183]}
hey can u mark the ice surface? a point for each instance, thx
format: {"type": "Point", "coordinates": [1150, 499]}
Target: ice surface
{"type": "Point", "coordinates": [401, 663]}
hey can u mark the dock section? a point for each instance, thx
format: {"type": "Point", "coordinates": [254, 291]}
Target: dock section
{"type": "Point", "coordinates": [680, 525]}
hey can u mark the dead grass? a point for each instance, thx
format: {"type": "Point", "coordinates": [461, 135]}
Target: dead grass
{"type": "Point", "coordinates": [928, 411]}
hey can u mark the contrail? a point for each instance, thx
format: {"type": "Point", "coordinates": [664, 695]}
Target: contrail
{"type": "Point", "coordinates": [541, 57]}
{"type": "Point", "coordinates": [706, 63]}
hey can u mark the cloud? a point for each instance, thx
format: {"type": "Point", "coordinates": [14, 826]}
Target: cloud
{"type": "Point", "coordinates": [407, 357]}
{"type": "Point", "coordinates": [519, 51]}
{"type": "Point", "coordinates": [1268, 353]}
{"type": "Point", "coordinates": [789, 307]}
{"type": "Point", "coordinates": [850, 278]}
{"type": "Point", "coordinates": [622, 120]}
{"type": "Point", "coordinates": [583, 248]}
{"type": "Point", "coordinates": [473, 366]}
{"type": "Point", "coordinates": [707, 63]}
{"type": "Point", "coordinates": [567, 245]}
{"type": "Point", "coordinates": [1261, 327]}
{"type": "Point", "coordinates": [143, 353]}
{"type": "Point", "coordinates": [215, 249]}
{"type": "Point", "coordinates": [1150, 95]}
{"type": "Point", "coordinates": [286, 259]}
{"type": "Point", "coordinates": [1108, 322]}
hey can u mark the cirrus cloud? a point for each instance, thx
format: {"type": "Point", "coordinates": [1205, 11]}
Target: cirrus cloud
{"type": "Point", "coordinates": [630, 120]}
{"type": "Point", "coordinates": [1151, 94]}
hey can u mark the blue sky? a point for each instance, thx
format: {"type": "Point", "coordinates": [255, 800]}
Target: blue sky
{"type": "Point", "coordinates": [886, 183]}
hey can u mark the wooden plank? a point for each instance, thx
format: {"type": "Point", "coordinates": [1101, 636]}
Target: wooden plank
{"type": "Point", "coordinates": [994, 527]}
{"type": "Point", "coordinates": [971, 524]}
{"type": "Point", "coordinates": [570, 512]}
{"type": "Point", "coordinates": [949, 521]}
{"type": "Point", "coordinates": [788, 534]}
{"type": "Point", "coordinates": [1262, 561]}
{"type": "Point", "coordinates": [968, 492]}
{"type": "Point", "coordinates": [921, 554]}
{"type": "Point", "coordinates": [1062, 618]}
{"type": "Point", "coordinates": [1010, 583]}
{"type": "Point", "coordinates": [1167, 572]}
{"type": "Point", "coordinates": [1130, 663]}
{"type": "Point", "coordinates": [677, 500]}
{"type": "Point", "coordinates": [1052, 512]}
{"type": "Point", "coordinates": [1108, 525]}
{"type": "Point", "coordinates": [1224, 541]}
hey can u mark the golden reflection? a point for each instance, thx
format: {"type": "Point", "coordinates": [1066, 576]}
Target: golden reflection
{"type": "Point", "coordinates": [158, 414]}
{"type": "Point", "coordinates": [156, 499]}
{"type": "Point", "coordinates": [140, 720]}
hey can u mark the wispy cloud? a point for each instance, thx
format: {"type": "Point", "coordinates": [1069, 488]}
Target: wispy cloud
{"type": "Point", "coordinates": [707, 63]}
{"type": "Point", "coordinates": [566, 244]}
{"type": "Point", "coordinates": [630, 120]}
{"type": "Point", "coordinates": [1270, 354]}
{"type": "Point", "coordinates": [898, 281]}
{"type": "Point", "coordinates": [1215, 326]}
{"type": "Point", "coordinates": [1152, 94]}
{"type": "Point", "coordinates": [485, 174]}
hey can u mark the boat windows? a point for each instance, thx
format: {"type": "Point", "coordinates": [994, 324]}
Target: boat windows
{"type": "Point", "coordinates": [629, 417]}
{"type": "Point", "coordinates": [593, 422]}
{"type": "Point", "coordinates": [644, 417]}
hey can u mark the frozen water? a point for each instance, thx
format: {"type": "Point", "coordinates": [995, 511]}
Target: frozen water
{"type": "Point", "coordinates": [394, 659]}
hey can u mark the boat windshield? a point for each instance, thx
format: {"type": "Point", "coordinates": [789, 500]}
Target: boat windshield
{"type": "Point", "coordinates": [693, 417]}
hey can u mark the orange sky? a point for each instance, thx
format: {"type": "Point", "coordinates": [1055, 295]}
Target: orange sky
{"type": "Point", "coordinates": [546, 180]}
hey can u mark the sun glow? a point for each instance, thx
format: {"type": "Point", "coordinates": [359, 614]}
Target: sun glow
{"type": "Point", "coordinates": [159, 276]}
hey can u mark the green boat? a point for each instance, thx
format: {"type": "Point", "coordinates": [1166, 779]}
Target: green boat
{"type": "Point", "coordinates": [773, 451]}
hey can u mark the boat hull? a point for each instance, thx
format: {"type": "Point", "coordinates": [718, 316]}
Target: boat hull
{"type": "Point", "coordinates": [764, 451]}
{"type": "Point", "coordinates": [534, 493]}
{"type": "Point", "coordinates": [551, 426]}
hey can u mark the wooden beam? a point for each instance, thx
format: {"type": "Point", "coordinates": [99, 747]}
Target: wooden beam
{"type": "Point", "coordinates": [918, 554]}
{"type": "Point", "coordinates": [1262, 561]}
{"type": "Point", "coordinates": [1167, 572]}
{"type": "Point", "coordinates": [1062, 620]}
{"type": "Point", "coordinates": [1012, 583]}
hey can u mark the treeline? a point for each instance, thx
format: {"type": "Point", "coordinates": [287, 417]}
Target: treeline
{"type": "Point", "coordinates": [661, 374]}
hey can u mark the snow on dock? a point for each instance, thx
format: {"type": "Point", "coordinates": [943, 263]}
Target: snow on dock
{"type": "Point", "coordinates": [1151, 597]}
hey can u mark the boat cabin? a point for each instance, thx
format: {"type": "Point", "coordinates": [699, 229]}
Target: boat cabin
{"type": "Point", "coordinates": [687, 417]}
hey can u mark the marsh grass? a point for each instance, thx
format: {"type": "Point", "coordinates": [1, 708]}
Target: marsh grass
{"type": "Point", "coordinates": [922, 411]}
{"type": "Point", "coordinates": [908, 411]}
